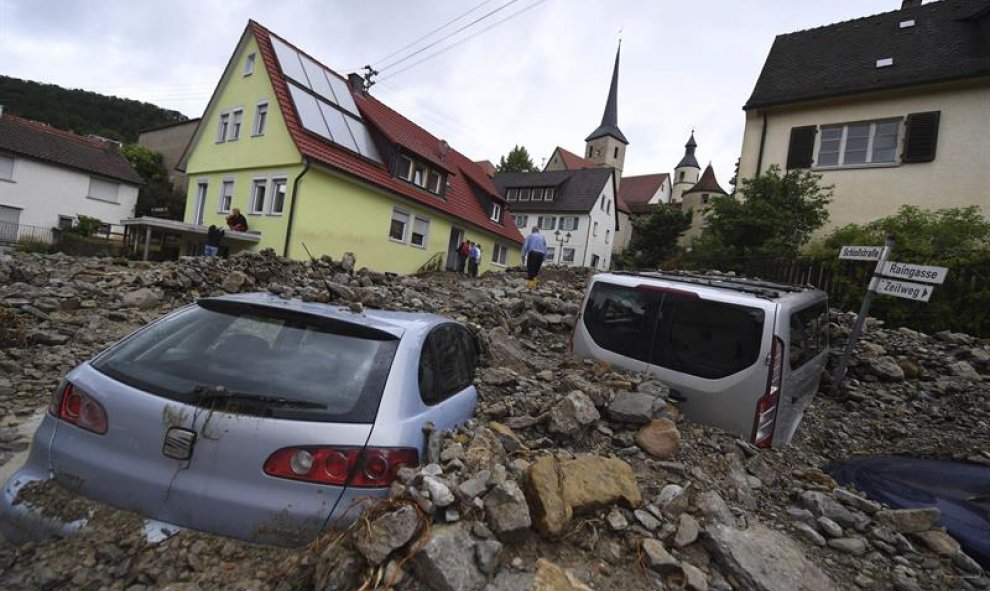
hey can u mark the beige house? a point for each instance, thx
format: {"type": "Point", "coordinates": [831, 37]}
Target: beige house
{"type": "Point", "coordinates": [891, 109]}
{"type": "Point", "coordinates": [171, 140]}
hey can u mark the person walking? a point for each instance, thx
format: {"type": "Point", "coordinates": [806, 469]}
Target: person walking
{"type": "Point", "coordinates": [474, 259]}
{"type": "Point", "coordinates": [462, 256]}
{"type": "Point", "coordinates": [534, 250]}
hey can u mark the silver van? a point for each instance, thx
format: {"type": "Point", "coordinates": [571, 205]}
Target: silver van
{"type": "Point", "coordinates": [741, 354]}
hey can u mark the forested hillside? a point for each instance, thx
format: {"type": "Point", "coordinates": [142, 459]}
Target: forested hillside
{"type": "Point", "coordinates": [81, 111]}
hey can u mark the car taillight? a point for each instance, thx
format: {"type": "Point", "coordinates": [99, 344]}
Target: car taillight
{"type": "Point", "coordinates": [72, 405]}
{"type": "Point", "coordinates": [339, 466]}
{"type": "Point", "coordinates": [766, 406]}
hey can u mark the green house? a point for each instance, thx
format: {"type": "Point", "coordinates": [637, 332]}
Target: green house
{"type": "Point", "coordinates": [310, 158]}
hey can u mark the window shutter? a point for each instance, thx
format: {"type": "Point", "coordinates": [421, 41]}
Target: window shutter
{"type": "Point", "coordinates": [922, 137]}
{"type": "Point", "coordinates": [802, 147]}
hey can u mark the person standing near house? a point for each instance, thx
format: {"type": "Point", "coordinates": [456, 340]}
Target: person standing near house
{"type": "Point", "coordinates": [236, 221]}
{"type": "Point", "coordinates": [462, 256]}
{"type": "Point", "coordinates": [534, 250]}
{"type": "Point", "coordinates": [474, 259]}
{"type": "Point", "coordinates": [214, 236]}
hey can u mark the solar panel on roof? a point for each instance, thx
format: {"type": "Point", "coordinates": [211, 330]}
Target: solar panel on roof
{"type": "Point", "coordinates": [288, 58]}
{"type": "Point", "coordinates": [338, 128]}
{"type": "Point", "coordinates": [317, 79]}
{"type": "Point", "coordinates": [343, 93]}
{"type": "Point", "coordinates": [309, 111]}
{"type": "Point", "coordinates": [363, 138]}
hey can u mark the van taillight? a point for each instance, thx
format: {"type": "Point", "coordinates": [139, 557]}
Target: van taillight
{"type": "Point", "coordinates": [766, 407]}
{"type": "Point", "coordinates": [72, 405]}
{"type": "Point", "coordinates": [371, 468]}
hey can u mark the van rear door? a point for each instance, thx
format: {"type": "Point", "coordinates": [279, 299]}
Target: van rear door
{"type": "Point", "coordinates": [805, 330]}
{"type": "Point", "coordinates": [714, 354]}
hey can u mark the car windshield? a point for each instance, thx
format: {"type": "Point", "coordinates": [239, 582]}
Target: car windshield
{"type": "Point", "coordinates": [258, 360]}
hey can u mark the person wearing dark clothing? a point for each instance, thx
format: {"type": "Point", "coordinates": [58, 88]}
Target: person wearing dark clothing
{"type": "Point", "coordinates": [214, 236]}
{"type": "Point", "coordinates": [236, 221]}
{"type": "Point", "coordinates": [534, 250]}
{"type": "Point", "coordinates": [474, 259]}
{"type": "Point", "coordinates": [462, 256]}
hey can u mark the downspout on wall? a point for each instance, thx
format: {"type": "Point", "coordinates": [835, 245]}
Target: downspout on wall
{"type": "Point", "coordinates": [292, 206]}
{"type": "Point", "coordinates": [763, 141]}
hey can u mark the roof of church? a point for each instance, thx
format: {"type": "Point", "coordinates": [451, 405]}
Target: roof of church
{"type": "Point", "coordinates": [707, 183]}
{"type": "Point", "coordinates": [689, 159]}
{"type": "Point", "coordinates": [610, 118]}
{"type": "Point", "coordinates": [576, 190]}
{"type": "Point", "coordinates": [572, 161]}
{"type": "Point", "coordinates": [928, 43]}
{"type": "Point", "coordinates": [636, 191]}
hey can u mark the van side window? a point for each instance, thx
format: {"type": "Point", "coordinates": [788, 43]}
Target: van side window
{"type": "Point", "coordinates": [621, 319]}
{"type": "Point", "coordinates": [455, 346]}
{"type": "Point", "coordinates": [809, 334]}
{"type": "Point", "coordinates": [707, 339]}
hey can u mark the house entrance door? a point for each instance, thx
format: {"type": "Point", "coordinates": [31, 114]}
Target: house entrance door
{"type": "Point", "coordinates": [456, 237]}
{"type": "Point", "coordinates": [10, 221]}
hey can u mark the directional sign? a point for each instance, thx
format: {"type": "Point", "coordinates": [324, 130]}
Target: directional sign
{"type": "Point", "coordinates": [904, 289]}
{"type": "Point", "coordinates": [861, 253]}
{"type": "Point", "coordinates": [925, 273]}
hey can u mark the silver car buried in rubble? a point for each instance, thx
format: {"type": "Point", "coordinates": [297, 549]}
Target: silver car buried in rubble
{"type": "Point", "coordinates": [249, 416]}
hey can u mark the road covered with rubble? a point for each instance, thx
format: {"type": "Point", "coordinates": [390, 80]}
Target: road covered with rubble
{"type": "Point", "coordinates": [572, 476]}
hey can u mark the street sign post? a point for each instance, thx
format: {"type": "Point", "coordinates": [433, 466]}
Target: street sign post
{"type": "Point", "coordinates": [886, 280]}
{"type": "Point", "coordinates": [928, 274]}
{"type": "Point", "coordinates": [861, 253]}
{"type": "Point", "coordinates": [905, 289]}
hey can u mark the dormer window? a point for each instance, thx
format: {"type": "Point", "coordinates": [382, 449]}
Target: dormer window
{"type": "Point", "coordinates": [511, 194]}
{"type": "Point", "coordinates": [524, 194]}
{"type": "Point", "coordinates": [419, 174]}
{"type": "Point", "coordinates": [496, 213]}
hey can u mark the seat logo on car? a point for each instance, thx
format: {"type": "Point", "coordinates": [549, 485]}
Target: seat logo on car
{"type": "Point", "coordinates": [179, 443]}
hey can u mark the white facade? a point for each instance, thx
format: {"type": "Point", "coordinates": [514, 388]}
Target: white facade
{"type": "Point", "coordinates": [40, 194]}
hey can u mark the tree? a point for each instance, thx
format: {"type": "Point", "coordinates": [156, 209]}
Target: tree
{"type": "Point", "coordinates": [517, 160]}
{"type": "Point", "coordinates": [775, 218]}
{"type": "Point", "coordinates": [157, 197]}
{"type": "Point", "coordinates": [655, 235]}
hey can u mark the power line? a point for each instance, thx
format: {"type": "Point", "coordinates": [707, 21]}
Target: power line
{"type": "Point", "coordinates": [468, 38]}
{"type": "Point", "coordinates": [448, 36]}
{"type": "Point", "coordinates": [440, 28]}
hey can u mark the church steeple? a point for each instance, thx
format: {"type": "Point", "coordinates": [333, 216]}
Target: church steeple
{"type": "Point", "coordinates": [689, 159]}
{"type": "Point", "coordinates": [610, 118]}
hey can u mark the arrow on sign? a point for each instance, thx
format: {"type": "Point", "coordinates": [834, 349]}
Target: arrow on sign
{"type": "Point", "coordinates": [905, 289]}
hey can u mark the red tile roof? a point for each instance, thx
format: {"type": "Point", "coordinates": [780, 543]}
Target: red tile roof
{"type": "Point", "coordinates": [459, 199]}
{"type": "Point", "coordinates": [707, 183]}
{"type": "Point", "coordinates": [41, 142]}
{"type": "Point", "coordinates": [636, 191]}
{"type": "Point", "coordinates": [572, 161]}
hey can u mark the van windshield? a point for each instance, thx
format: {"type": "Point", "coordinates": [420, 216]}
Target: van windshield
{"type": "Point", "coordinates": [687, 334]}
{"type": "Point", "coordinates": [260, 361]}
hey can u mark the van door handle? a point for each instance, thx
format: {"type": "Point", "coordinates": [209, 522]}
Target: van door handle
{"type": "Point", "coordinates": [677, 396]}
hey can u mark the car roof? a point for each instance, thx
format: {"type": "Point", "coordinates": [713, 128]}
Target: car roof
{"type": "Point", "coordinates": [395, 323]}
{"type": "Point", "coordinates": [745, 286]}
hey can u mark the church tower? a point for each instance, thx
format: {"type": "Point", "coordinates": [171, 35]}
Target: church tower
{"type": "Point", "coordinates": [687, 171]}
{"type": "Point", "coordinates": [606, 146]}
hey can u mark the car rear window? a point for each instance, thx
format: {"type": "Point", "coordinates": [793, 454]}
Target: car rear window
{"type": "Point", "coordinates": [309, 367]}
{"type": "Point", "coordinates": [809, 334]}
{"type": "Point", "coordinates": [687, 334]}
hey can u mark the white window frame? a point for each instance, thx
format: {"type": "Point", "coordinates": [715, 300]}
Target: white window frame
{"type": "Point", "coordinates": [496, 213]}
{"type": "Point", "coordinates": [249, 64]}
{"type": "Point", "coordinates": [222, 126]}
{"type": "Point", "coordinates": [425, 233]}
{"type": "Point", "coordinates": [409, 170]}
{"type": "Point", "coordinates": [549, 193]}
{"type": "Point", "coordinates": [230, 204]}
{"type": "Point", "coordinates": [236, 123]}
{"type": "Point", "coordinates": [276, 182]}
{"type": "Point", "coordinates": [524, 191]}
{"type": "Point", "coordinates": [510, 195]}
{"type": "Point", "coordinates": [551, 253]}
{"type": "Point", "coordinates": [13, 163]}
{"type": "Point", "coordinates": [199, 206]}
{"type": "Point", "coordinates": [594, 229]}
{"type": "Point", "coordinates": [547, 222]}
{"type": "Point", "coordinates": [500, 254]}
{"type": "Point", "coordinates": [521, 220]}
{"type": "Point", "coordinates": [253, 208]}
{"type": "Point", "coordinates": [567, 254]}
{"type": "Point", "coordinates": [397, 215]}
{"type": "Point", "coordinates": [573, 218]}
{"type": "Point", "coordinates": [843, 139]}
{"type": "Point", "coordinates": [91, 194]}
{"type": "Point", "coordinates": [260, 119]}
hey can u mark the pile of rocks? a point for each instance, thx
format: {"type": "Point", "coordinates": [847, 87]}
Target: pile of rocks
{"type": "Point", "coordinates": [573, 475]}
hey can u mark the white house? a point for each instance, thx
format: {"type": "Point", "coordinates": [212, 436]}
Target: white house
{"type": "Point", "coordinates": [49, 177]}
{"type": "Point", "coordinates": [575, 209]}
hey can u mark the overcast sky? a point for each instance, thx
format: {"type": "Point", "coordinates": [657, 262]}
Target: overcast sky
{"type": "Point", "coordinates": [539, 79]}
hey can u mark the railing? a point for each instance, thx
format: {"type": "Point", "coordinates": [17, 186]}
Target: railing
{"type": "Point", "coordinates": [434, 263]}
{"type": "Point", "coordinates": [39, 239]}
{"type": "Point", "coordinates": [11, 233]}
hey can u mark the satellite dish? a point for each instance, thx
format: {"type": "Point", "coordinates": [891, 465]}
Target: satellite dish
{"type": "Point", "coordinates": [444, 148]}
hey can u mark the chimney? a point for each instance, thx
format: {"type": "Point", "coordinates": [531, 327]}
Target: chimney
{"type": "Point", "coordinates": [910, 4]}
{"type": "Point", "coordinates": [357, 83]}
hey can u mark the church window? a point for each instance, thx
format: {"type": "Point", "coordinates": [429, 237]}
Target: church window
{"type": "Point", "coordinates": [704, 197]}
{"type": "Point", "coordinates": [616, 153]}
{"type": "Point", "coordinates": [680, 176]}
{"type": "Point", "coordinates": [589, 151]}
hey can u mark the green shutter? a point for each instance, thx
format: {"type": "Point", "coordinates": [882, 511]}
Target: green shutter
{"type": "Point", "coordinates": [922, 137]}
{"type": "Point", "coordinates": [802, 147]}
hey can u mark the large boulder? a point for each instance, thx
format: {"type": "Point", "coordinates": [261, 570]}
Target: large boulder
{"type": "Point", "coordinates": [632, 407]}
{"type": "Point", "coordinates": [572, 414]}
{"type": "Point", "coordinates": [589, 482]}
{"type": "Point", "coordinates": [386, 533]}
{"type": "Point", "coordinates": [761, 559]}
{"type": "Point", "coordinates": [660, 438]}
{"type": "Point", "coordinates": [909, 520]}
{"type": "Point", "coordinates": [447, 561]}
{"type": "Point", "coordinates": [144, 298]}
{"type": "Point", "coordinates": [507, 512]}
{"type": "Point", "coordinates": [549, 512]}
